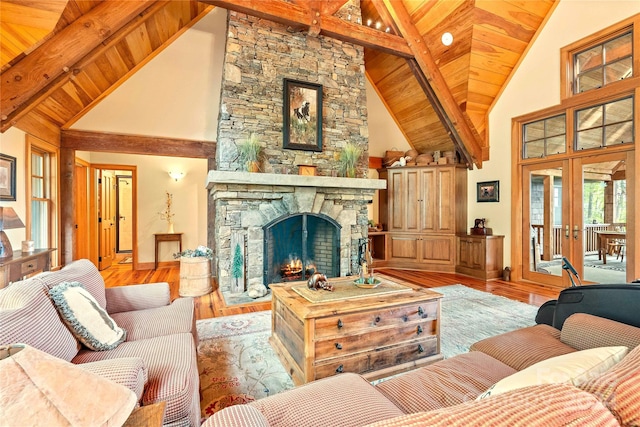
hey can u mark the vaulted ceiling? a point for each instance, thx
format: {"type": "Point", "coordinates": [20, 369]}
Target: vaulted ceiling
{"type": "Point", "coordinates": [59, 58]}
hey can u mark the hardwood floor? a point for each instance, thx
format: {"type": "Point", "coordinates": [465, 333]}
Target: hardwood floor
{"type": "Point", "coordinates": [213, 305]}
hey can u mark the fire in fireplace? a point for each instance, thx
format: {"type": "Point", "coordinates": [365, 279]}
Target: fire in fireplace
{"type": "Point", "coordinates": [296, 246]}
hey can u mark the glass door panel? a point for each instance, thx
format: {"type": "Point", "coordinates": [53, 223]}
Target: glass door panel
{"type": "Point", "coordinates": [603, 215]}
{"type": "Point", "coordinates": [545, 214]}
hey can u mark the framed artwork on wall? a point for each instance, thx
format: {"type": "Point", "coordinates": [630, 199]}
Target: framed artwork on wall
{"type": "Point", "coordinates": [302, 114]}
{"type": "Point", "coordinates": [488, 191]}
{"type": "Point", "coordinates": [7, 177]}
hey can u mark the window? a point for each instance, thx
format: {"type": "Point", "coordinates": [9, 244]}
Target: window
{"type": "Point", "coordinates": [42, 214]}
{"type": "Point", "coordinates": [603, 63]}
{"type": "Point", "coordinates": [544, 137]}
{"type": "Point", "coordinates": [605, 125]}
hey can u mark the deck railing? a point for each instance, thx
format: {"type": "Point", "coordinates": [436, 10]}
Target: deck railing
{"type": "Point", "coordinates": [590, 238]}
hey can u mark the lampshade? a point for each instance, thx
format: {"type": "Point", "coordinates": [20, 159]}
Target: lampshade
{"type": "Point", "coordinates": [40, 389]}
{"type": "Point", "coordinates": [8, 219]}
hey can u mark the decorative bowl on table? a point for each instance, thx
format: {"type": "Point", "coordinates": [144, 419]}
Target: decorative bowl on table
{"type": "Point", "coordinates": [367, 282]}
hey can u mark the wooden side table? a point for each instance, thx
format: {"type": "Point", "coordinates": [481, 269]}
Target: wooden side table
{"type": "Point", "coordinates": [23, 264]}
{"type": "Point", "coordinates": [166, 237]}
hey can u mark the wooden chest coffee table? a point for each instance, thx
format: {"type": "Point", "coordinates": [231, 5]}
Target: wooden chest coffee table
{"type": "Point", "coordinates": [377, 334]}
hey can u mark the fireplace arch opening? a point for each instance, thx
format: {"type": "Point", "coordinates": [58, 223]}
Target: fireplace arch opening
{"type": "Point", "coordinates": [298, 245]}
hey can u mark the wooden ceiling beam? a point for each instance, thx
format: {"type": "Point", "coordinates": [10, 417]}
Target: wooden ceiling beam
{"type": "Point", "coordinates": [136, 144]}
{"type": "Point", "coordinates": [291, 14]}
{"type": "Point", "coordinates": [55, 56]}
{"type": "Point", "coordinates": [467, 133]}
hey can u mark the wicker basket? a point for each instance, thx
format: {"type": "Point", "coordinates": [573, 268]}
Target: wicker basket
{"type": "Point", "coordinates": [195, 276]}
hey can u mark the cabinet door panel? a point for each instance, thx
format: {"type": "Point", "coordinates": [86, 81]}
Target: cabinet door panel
{"type": "Point", "coordinates": [396, 200]}
{"type": "Point", "coordinates": [429, 201]}
{"type": "Point", "coordinates": [446, 199]}
{"type": "Point", "coordinates": [438, 249]}
{"type": "Point", "coordinates": [412, 195]}
{"type": "Point", "coordinates": [404, 248]}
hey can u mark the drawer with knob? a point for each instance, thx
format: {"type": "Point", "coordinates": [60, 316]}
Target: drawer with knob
{"type": "Point", "coordinates": [384, 357]}
{"type": "Point", "coordinates": [375, 319]}
{"type": "Point", "coordinates": [372, 340]}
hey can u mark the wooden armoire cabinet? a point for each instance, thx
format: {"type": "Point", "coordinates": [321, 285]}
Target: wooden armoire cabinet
{"type": "Point", "coordinates": [422, 210]}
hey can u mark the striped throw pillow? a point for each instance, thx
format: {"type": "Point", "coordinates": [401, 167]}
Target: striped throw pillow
{"type": "Point", "coordinates": [85, 318]}
{"type": "Point", "coordinates": [619, 389]}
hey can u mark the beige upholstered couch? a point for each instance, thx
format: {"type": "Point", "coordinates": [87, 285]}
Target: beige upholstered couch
{"type": "Point", "coordinates": [158, 358]}
{"type": "Point", "coordinates": [444, 393]}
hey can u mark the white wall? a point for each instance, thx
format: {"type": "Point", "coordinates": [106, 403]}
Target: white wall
{"type": "Point", "coordinates": [384, 133]}
{"type": "Point", "coordinates": [175, 95]}
{"type": "Point", "coordinates": [12, 143]}
{"type": "Point", "coordinates": [535, 85]}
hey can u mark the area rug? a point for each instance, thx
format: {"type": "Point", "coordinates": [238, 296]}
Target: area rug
{"type": "Point", "coordinates": [126, 260]}
{"type": "Point", "coordinates": [237, 364]}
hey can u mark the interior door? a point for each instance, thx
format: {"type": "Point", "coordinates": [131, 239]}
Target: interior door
{"type": "Point", "coordinates": [124, 224]}
{"type": "Point", "coordinates": [546, 226]}
{"type": "Point", "coordinates": [106, 219]}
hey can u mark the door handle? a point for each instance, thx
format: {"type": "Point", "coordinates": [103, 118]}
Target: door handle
{"type": "Point", "coordinates": [566, 231]}
{"type": "Point", "coordinates": [575, 232]}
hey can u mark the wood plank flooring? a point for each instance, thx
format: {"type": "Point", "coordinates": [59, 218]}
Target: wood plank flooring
{"type": "Point", "coordinates": [213, 305]}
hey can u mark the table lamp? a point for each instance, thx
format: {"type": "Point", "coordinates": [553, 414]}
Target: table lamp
{"type": "Point", "coordinates": [40, 389]}
{"type": "Point", "coordinates": [8, 219]}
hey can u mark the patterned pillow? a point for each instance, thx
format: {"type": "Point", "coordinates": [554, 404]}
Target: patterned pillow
{"type": "Point", "coordinates": [619, 389]}
{"type": "Point", "coordinates": [85, 318]}
{"type": "Point", "coordinates": [573, 368]}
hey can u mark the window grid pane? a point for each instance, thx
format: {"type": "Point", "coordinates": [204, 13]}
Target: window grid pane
{"type": "Point", "coordinates": [40, 223]}
{"type": "Point", "coordinates": [603, 64]}
{"type": "Point", "coordinates": [544, 137]}
{"type": "Point", "coordinates": [605, 125]}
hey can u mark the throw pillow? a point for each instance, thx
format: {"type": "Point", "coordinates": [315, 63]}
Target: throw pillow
{"type": "Point", "coordinates": [85, 318]}
{"type": "Point", "coordinates": [619, 389]}
{"type": "Point", "coordinates": [573, 368]}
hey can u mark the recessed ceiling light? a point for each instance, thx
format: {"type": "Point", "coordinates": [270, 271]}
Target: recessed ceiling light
{"type": "Point", "coordinates": [447, 39]}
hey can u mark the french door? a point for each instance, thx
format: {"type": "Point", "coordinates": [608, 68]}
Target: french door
{"type": "Point", "coordinates": [574, 209]}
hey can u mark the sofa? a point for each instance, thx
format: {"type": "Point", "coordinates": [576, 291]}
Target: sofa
{"type": "Point", "coordinates": [526, 377]}
{"type": "Point", "coordinates": [157, 356]}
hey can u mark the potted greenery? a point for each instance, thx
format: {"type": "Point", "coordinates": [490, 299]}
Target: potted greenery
{"type": "Point", "coordinates": [349, 159]}
{"type": "Point", "coordinates": [249, 152]}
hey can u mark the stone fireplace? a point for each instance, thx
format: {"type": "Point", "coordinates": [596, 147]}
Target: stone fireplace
{"type": "Point", "coordinates": [249, 205]}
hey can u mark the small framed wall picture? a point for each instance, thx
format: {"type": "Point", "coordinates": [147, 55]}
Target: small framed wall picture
{"type": "Point", "coordinates": [488, 191]}
{"type": "Point", "coordinates": [7, 177]}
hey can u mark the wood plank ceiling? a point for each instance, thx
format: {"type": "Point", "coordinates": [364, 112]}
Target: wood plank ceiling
{"type": "Point", "coordinates": [490, 37]}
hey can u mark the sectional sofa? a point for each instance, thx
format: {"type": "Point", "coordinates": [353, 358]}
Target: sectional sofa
{"type": "Point", "coordinates": [587, 374]}
{"type": "Point", "coordinates": [156, 357]}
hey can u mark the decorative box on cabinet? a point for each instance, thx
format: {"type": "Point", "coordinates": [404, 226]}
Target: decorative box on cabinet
{"type": "Point", "coordinates": [480, 256]}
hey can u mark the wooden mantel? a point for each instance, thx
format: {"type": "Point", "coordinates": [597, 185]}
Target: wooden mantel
{"type": "Point", "coordinates": [246, 178]}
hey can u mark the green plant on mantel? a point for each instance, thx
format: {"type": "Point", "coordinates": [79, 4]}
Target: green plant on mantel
{"type": "Point", "coordinates": [349, 159]}
{"type": "Point", "coordinates": [249, 152]}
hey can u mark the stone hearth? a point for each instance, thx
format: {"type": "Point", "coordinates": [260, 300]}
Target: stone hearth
{"type": "Point", "coordinates": [245, 202]}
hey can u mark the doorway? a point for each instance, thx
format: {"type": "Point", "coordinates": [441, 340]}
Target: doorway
{"type": "Point", "coordinates": [124, 211]}
{"type": "Point", "coordinates": [114, 215]}
{"type": "Point", "coordinates": [576, 209]}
